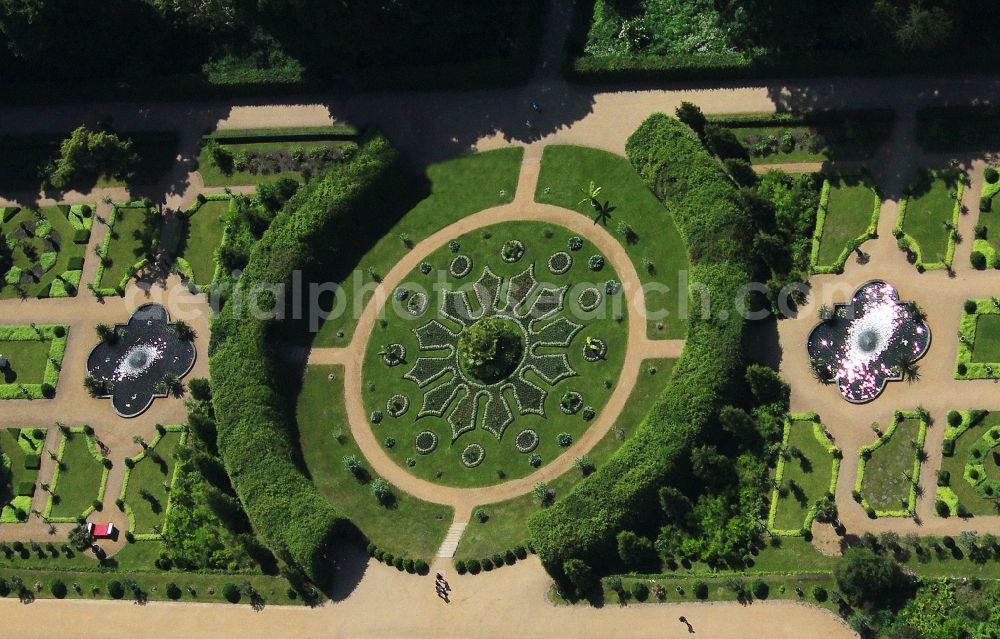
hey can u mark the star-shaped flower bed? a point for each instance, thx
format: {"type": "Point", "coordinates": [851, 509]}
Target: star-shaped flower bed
{"type": "Point", "coordinates": [865, 344]}
{"type": "Point", "coordinates": [133, 366]}
{"type": "Point", "coordinates": [517, 327]}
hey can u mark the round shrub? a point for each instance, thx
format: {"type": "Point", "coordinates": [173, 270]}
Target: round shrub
{"type": "Point", "coordinates": [48, 391]}
{"type": "Point", "coordinates": [57, 588]}
{"type": "Point", "coordinates": [497, 560]}
{"type": "Point", "coordinates": [116, 589]}
{"type": "Point", "coordinates": [991, 175]}
{"type": "Point", "coordinates": [388, 558]}
{"type": "Point", "coordinates": [421, 567]}
{"type": "Point", "coordinates": [4, 588]}
{"type": "Point", "coordinates": [596, 262]}
{"type": "Point", "coordinates": [954, 418]}
{"type": "Point", "coordinates": [231, 593]}
{"type": "Point", "coordinates": [460, 567]}
{"type": "Point", "coordinates": [948, 541]}
{"type": "Point", "coordinates": [409, 566]}
{"type": "Point", "coordinates": [59, 331]}
{"type": "Point", "coordinates": [379, 554]}
{"type": "Point", "coordinates": [487, 564]}
{"type": "Point", "coordinates": [941, 508]}
{"type": "Point", "coordinates": [760, 589]}
{"type": "Point", "coordinates": [640, 591]}
{"type": "Point", "coordinates": [398, 563]}
{"type": "Point", "coordinates": [943, 478]}
{"type": "Point", "coordinates": [819, 594]}
{"type": "Point", "coordinates": [370, 549]}
{"type": "Point", "coordinates": [173, 591]}
{"type": "Point", "coordinates": [962, 368]}
{"type": "Point", "coordinates": [701, 590]}
{"type": "Point", "coordinates": [509, 558]}
{"type": "Point", "coordinates": [978, 260]}
{"type": "Point", "coordinates": [520, 552]}
{"type": "Point", "coordinates": [970, 306]}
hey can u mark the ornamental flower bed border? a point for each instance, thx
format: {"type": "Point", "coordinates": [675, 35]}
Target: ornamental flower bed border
{"type": "Point", "coordinates": [911, 503]}
{"type": "Point", "coordinates": [57, 349]}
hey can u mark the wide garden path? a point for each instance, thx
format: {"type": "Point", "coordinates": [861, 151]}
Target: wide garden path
{"type": "Point", "coordinates": [508, 602]}
{"type": "Point", "coordinates": [640, 347]}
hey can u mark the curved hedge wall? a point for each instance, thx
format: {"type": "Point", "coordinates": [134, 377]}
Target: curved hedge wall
{"type": "Point", "coordinates": [718, 232]}
{"type": "Point", "coordinates": [256, 429]}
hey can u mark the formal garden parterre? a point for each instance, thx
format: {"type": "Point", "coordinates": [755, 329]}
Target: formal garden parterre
{"type": "Point", "coordinates": [847, 217]}
{"type": "Point", "coordinates": [501, 372]}
{"type": "Point", "coordinates": [31, 360]}
{"type": "Point", "coordinates": [21, 455]}
{"type": "Point", "coordinates": [927, 226]}
{"type": "Point", "coordinates": [979, 340]}
{"type": "Point", "coordinates": [42, 250]}
{"type": "Point", "coordinates": [889, 468]}
{"type": "Point", "coordinates": [129, 245]}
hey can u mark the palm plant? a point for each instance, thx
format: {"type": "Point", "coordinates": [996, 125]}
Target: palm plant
{"type": "Point", "coordinates": [910, 369]}
{"type": "Point", "coordinates": [106, 333]}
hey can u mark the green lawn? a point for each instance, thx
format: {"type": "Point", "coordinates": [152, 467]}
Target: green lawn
{"type": "Point", "coordinates": [79, 481]}
{"type": "Point", "coordinates": [126, 246]}
{"type": "Point", "coordinates": [456, 188]}
{"type": "Point", "coordinates": [811, 473]}
{"type": "Point", "coordinates": [382, 382]}
{"type": "Point", "coordinates": [955, 465]}
{"type": "Point", "coordinates": [568, 169]}
{"type": "Point", "coordinates": [153, 477]}
{"type": "Point", "coordinates": [928, 209]}
{"type": "Point", "coordinates": [987, 345]}
{"type": "Point", "coordinates": [888, 474]}
{"type": "Point", "coordinates": [848, 215]}
{"type": "Point", "coordinates": [213, 175]}
{"type": "Point", "coordinates": [410, 527]}
{"type": "Point", "coordinates": [202, 236]}
{"type": "Point", "coordinates": [507, 525]}
{"type": "Point", "coordinates": [61, 242]}
{"type": "Point", "coordinates": [27, 361]}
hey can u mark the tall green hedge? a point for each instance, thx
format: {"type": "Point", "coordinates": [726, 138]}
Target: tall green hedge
{"type": "Point", "coordinates": [718, 232]}
{"type": "Point", "coordinates": [256, 429]}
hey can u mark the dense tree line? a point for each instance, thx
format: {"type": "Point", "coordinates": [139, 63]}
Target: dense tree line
{"type": "Point", "coordinates": [132, 39]}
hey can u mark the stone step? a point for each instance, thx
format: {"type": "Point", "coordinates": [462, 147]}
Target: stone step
{"type": "Point", "coordinates": [451, 540]}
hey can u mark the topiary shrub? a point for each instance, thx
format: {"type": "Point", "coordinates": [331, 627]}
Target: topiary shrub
{"type": "Point", "coordinates": [941, 508]}
{"type": "Point", "coordinates": [962, 368]}
{"type": "Point", "coordinates": [421, 567]}
{"type": "Point", "coordinates": [991, 175]}
{"type": "Point", "coordinates": [640, 591]}
{"type": "Point", "coordinates": [943, 477]}
{"type": "Point", "coordinates": [487, 564]}
{"type": "Point", "coordinates": [115, 589]}
{"type": "Point", "coordinates": [978, 261]}
{"type": "Point", "coordinates": [760, 589]}
{"type": "Point", "coordinates": [497, 560]}
{"type": "Point", "coordinates": [398, 563]}
{"type": "Point", "coordinates": [819, 594]}
{"type": "Point", "coordinates": [231, 593]}
{"type": "Point", "coordinates": [460, 567]}
{"type": "Point", "coordinates": [57, 588]}
{"type": "Point", "coordinates": [520, 551]}
{"type": "Point", "coordinates": [701, 590]}
{"type": "Point", "coordinates": [954, 418]}
{"type": "Point", "coordinates": [409, 566]}
{"type": "Point", "coordinates": [173, 591]}
{"type": "Point", "coordinates": [970, 306]}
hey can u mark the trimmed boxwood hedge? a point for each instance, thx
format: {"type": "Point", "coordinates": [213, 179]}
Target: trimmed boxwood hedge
{"type": "Point", "coordinates": [713, 222]}
{"type": "Point", "coordinates": [257, 439]}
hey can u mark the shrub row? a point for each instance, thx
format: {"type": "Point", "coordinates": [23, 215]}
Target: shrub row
{"type": "Point", "coordinates": [713, 222]}
{"type": "Point", "coordinates": [256, 433]}
{"type": "Point", "coordinates": [401, 563]}
{"type": "Point", "coordinates": [506, 558]}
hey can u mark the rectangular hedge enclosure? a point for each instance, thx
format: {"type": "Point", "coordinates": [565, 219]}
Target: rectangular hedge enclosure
{"type": "Point", "coordinates": [848, 216]}
{"type": "Point", "coordinates": [979, 340]}
{"type": "Point", "coordinates": [232, 156]}
{"type": "Point", "coordinates": [928, 219]}
{"type": "Point", "coordinates": [203, 232]}
{"type": "Point", "coordinates": [820, 136]}
{"type": "Point", "coordinates": [132, 236]}
{"type": "Point", "coordinates": [34, 356]}
{"type": "Point", "coordinates": [42, 250]}
{"type": "Point", "coordinates": [889, 469]}
{"type": "Point", "coordinates": [79, 479]}
{"type": "Point", "coordinates": [960, 492]}
{"type": "Point", "coordinates": [20, 458]}
{"type": "Point", "coordinates": [146, 486]}
{"type": "Point", "coordinates": [655, 246]}
{"type": "Point", "coordinates": [805, 474]}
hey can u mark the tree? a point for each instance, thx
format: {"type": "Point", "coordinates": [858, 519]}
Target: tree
{"type": "Point", "coordinates": [183, 331]}
{"type": "Point", "coordinates": [382, 491]}
{"type": "Point", "coordinates": [691, 115]}
{"type": "Point", "coordinates": [94, 387]}
{"type": "Point", "coordinates": [868, 578]}
{"type": "Point", "coordinates": [590, 194]}
{"type": "Point", "coordinates": [674, 503]}
{"type": "Point", "coordinates": [580, 575]}
{"type": "Point", "coordinates": [85, 156]}
{"type": "Point", "coordinates": [79, 538]}
{"type": "Point", "coordinates": [634, 551]}
{"type": "Point", "coordinates": [766, 385]}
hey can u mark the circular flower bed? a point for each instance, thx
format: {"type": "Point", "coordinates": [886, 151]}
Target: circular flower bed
{"type": "Point", "coordinates": [397, 405]}
{"type": "Point", "coordinates": [590, 298]}
{"type": "Point", "coordinates": [571, 402]}
{"type": "Point", "coordinates": [426, 442]}
{"type": "Point", "coordinates": [560, 262]}
{"type": "Point", "coordinates": [596, 262]}
{"type": "Point", "coordinates": [394, 354]}
{"type": "Point", "coordinates": [473, 455]}
{"type": "Point", "coordinates": [594, 348]}
{"type": "Point", "coordinates": [526, 441]}
{"type": "Point", "coordinates": [426, 268]}
{"type": "Point", "coordinates": [417, 304]}
{"type": "Point", "coordinates": [460, 266]}
{"type": "Point", "coordinates": [511, 251]}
